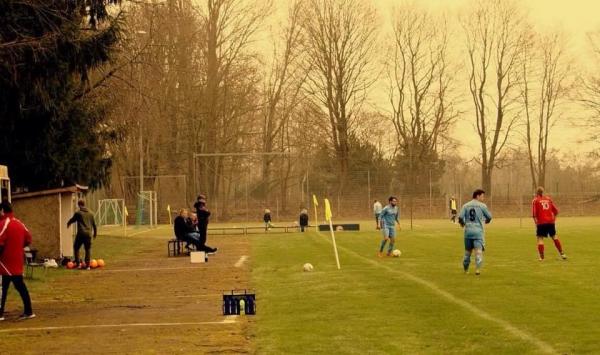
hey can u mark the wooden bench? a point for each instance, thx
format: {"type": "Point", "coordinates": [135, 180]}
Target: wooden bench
{"type": "Point", "coordinates": [176, 247]}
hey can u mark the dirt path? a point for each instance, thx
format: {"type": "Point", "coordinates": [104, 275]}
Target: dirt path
{"type": "Point", "coordinates": [144, 303]}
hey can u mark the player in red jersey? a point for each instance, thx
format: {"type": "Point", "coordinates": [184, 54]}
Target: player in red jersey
{"type": "Point", "coordinates": [544, 214]}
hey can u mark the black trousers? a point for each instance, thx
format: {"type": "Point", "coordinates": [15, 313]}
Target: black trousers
{"type": "Point", "coordinates": [21, 288]}
{"type": "Point", "coordinates": [86, 241]}
{"type": "Point", "coordinates": [203, 228]}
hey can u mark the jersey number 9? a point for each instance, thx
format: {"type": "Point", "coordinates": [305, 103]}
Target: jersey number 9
{"type": "Point", "coordinates": [472, 215]}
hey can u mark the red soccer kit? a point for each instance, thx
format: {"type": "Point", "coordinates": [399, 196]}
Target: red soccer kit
{"type": "Point", "coordinates": [543, 210]}
{"type": "Point", "coordinates": [14, 236]}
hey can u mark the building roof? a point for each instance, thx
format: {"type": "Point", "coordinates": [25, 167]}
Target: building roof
{"type": "Point", "coordinates": [62, 190]}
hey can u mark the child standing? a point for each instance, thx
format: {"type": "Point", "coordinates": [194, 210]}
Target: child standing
{"type": "Point", "coordinates": [267, 219]}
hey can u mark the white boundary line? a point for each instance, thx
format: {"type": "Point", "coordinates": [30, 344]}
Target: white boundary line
{"type": "Point", "coordinates": [104, 270]}
{"type": "Point", "coordinates": [119, 233]}
{"type": "Point", "coordinates": [126, 325]}
{"type": "Point", "coordinates": [507, 326]}
{"type": "Point", "coordinates": [241, 262]}
{"type": "Point", "coordinates": [124, 299]}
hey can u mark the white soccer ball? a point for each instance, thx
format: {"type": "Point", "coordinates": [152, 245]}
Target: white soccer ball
{"type": "Point", "coordinates": [339, 228]}
{"type": "Point", "coordinates": [396, 253]}
{"type": "Point", "coordinates": [308, 267]}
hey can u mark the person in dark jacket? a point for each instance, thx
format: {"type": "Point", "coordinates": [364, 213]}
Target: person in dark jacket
{"type": "Point", "coordinates": [14, 236]}
{"type": "Point", "coordinates": [86, 229]}
{"type": "Point", "coordinates": [184, 231]}
{"type": "Point", "coordinates": [200, 202]}
{"type": "Point", "coordinates": [203, 215]}
{"type": "Point", "coordinates": [267, 219]}
{"type": "Point", "coordinates": [303, 219]}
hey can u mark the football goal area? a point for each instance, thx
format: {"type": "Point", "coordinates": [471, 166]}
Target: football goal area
{"type": "Point", "coordinates": [111, 212]}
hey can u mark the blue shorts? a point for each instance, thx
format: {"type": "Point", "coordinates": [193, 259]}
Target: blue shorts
{"type": "Point", "coordinates": [389, 232]}
{"type": "Point", "coordinates": [474, 244]}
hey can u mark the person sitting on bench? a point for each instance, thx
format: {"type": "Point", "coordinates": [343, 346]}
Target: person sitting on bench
{"type": "Point", "coordinates": [197, 227]}
{"type": "Point", "coordinates": [184, 231]}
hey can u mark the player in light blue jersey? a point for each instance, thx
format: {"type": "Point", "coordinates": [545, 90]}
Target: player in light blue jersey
{"type": "Point", "coordinates": [473, 215]}
{"type": "Point", "coordinates": [388, 218]}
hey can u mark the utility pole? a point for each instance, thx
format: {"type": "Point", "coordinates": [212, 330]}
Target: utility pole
{"type": "Point", "coordinates": [141, 32]}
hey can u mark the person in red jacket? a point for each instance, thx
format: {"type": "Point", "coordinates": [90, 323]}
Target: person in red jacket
{"type": "Point", "coordinates": [544, 214]}
{"type": "Point", "coordinates": [14, 236]}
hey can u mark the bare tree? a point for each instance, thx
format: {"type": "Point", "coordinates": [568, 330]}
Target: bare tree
{"type": "Point", "coordinates": [543, 90]}
{"type": "Point", "coordinates": [229, 28]}
{"type": "Point", "coordinates": [282, 94]}
{"type": "Point", "coordinates": [495, 34]}
{"type": "Point", "coordinates": [589, 96]}
{"type": "Point", "coordinates": [340, 42]}
{"type": "Point", "coordinates": [419, 91]}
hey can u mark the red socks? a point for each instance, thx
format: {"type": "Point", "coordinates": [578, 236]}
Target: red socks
{"type": "Point", "coordinates": [558, 245]}
{"type": "Point", "coordinates": [541, 250]}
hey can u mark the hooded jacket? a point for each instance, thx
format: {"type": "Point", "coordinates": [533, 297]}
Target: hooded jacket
{"type": "Point", "coordinates": [14, 236]}
{"type": "Point", "coordinates": [86, 225]}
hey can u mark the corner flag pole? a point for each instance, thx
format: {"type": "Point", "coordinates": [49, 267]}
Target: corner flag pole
{"type": "Point", "coordinates": [125, 214]}
{"type": "Point", "coordinates": [315, 204]}
{"type": "Point", "coordinates": [328, 216]}
{"type": "Point", "coordinates": [170, 217]}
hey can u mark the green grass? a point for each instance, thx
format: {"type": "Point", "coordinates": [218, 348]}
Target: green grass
{"type": "Point", "coordinates": [408, 304]}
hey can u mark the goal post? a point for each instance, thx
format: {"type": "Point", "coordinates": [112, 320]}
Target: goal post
{"type": "Point", "coordinates": [160, 193]}
{"type": "Point", "coordinates": [147, 212]}
{"type": "Point", "coordinates": [111, 212]}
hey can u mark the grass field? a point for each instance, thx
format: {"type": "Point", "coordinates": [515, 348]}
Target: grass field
{"type": "Point", "coordinates": [422, 302]}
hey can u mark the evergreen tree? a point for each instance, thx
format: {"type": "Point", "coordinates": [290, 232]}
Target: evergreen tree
{"type": "Point", "coordinates": [53, 130]}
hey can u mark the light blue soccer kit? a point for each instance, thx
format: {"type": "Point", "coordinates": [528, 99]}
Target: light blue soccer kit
{"type": "Point", "coordinates": [388, 217]}
{"type": "Point", "coordinates": [473, 215]}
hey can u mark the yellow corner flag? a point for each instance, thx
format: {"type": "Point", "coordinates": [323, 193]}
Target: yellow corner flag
{"type": "Point", "coordinates": [169, 210]}
{"type": "Point", "coordinates": [328, 216]}
{"type": "Point", "coordinates": [125, 211]}
{"type": "Point", "coordinates": [315, 204]}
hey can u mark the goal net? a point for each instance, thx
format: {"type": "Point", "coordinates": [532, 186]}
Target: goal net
{"type": "Point", "coordinates": [110, 212]}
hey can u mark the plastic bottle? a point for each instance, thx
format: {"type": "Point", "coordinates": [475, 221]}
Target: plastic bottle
{"type": "Point", "coordinates": [242, 307]}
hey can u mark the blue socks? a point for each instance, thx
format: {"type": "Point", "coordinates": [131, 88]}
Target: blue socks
{"type": "Point", "coordinates": [391, 246]}
{"type": "Point", "coordinates": [467, 260]}
{"type": "Point", "coordinates": [478, 258]}
{"type": "Point", "coordinates": [382, 245]}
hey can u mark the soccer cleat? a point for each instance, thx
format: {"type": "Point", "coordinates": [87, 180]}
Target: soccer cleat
{"type": "Point", "coordinates": [1, 318]}
{"type": "Point", "coordinates": [477, 272]}
{"type": "Point", "coordinates": [88, 268]}
{"type": "Point", "coordinates": [379, 254]}
{"type": "Point", "coordinates": [563, 256]}
{"type": "Point", "coordinates": [26, 316]}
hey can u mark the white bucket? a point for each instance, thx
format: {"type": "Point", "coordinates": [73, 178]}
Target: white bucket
{"type": "Point", "coordinates": [197, 257]}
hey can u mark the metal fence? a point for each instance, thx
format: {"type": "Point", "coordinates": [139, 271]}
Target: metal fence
{"type": "Point", "coordinates": [243, 203]}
